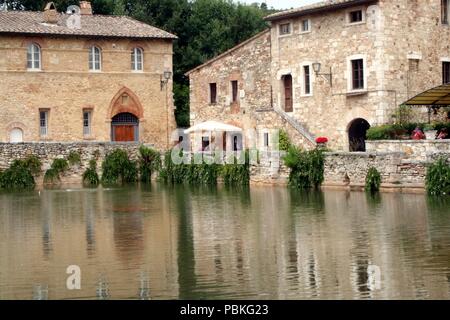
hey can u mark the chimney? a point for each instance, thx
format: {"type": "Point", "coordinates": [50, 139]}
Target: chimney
{"type": "Point", "coordinates": [86, 8]}
{"type": "Point", "coordinates": [50, 13]}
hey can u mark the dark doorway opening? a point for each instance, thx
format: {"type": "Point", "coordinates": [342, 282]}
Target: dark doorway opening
{"type": "Point", "coordinates": [357, 135]}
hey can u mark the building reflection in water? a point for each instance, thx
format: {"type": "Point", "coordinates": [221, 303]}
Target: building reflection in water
{"type": "Point", "coordinates": [144, 287]}
{"type": "Point", "coordinates": [89, 211]}
{"type": "Point", "coordinates": [102, 289]}
{"type": "Point", "coordinates": [40, 292]}
{"type": "Point", "coordinates": [46, 217]}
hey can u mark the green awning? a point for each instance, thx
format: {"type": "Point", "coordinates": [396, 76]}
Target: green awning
{"type": "Point", "coordinates": [439, 96]}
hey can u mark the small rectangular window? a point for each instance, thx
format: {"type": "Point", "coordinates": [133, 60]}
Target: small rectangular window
{"type": "Point", "coordinates": [446, 72]}
{"type": "Point", "coordinates": [87, 118]}
{"type": "Point", "coordinates": [234, 91]}
{"type": "Point", "coordinates": [285, 28]}
{"type": "Point", "coordinates": [356, 16]}
{"type": "Point", "coordinates": [306, 70]}
{"type": "Point", "coordinates": [266, 139]}
{"type": "Point", "coordinates": [445, 8]}
{"type": "Point", "coordinates": [358, 74]}
{"type": "Point", "coordinates": [213, 93]}
{"type": "Point", "coordinates": [306, 26]}
{"type": "Point", "coordinates": [43, 123]}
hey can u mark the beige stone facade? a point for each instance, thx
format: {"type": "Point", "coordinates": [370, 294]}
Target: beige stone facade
{"type": "Point", "coordinates": [65, 87]}
{"type": "Point", "coordinates": [401, 46]}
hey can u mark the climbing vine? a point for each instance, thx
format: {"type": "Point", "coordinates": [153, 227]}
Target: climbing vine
{"type": "Point", "coordinates": [149, 162]}
{"type": "Point", "coordinates": [90, 176]}
{"type": "Point", "coordinates": [20, 174]}
{"type": "Point", "coordinates": [373, 181]}
{"type": "Point", "coordinates": [118, 168]}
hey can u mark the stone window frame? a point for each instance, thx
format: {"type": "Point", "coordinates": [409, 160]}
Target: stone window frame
{"type": "Point", "coordinates": [309, 26]}
{"type": "Point", "coordinates": [445, 16]}
{"type": "Point", "coordinates": [232, 80]}
{"type": "Point", "coordinates": [350, 10]}
{"type": "Point", "coordinates": [89, 135]}
{"type": "Point", "coordinates": [280, 75]}
{"type": "Point", "coordinates": [311, 79]}
{"type": "Point", "coordinates": [349, 74]}
{"type": "Point", "coordinates": [291, 29]}
{"type": "Point", "coordinates": [45, 135]}
{"type": "Point", "coordinates": [34, 45]}
{"type": "Point", "coordinates": [210, 102]}
{"type": "Point", "coordinates": [134, 59]}
{"type": "Point", "coordinates": [444, 60]}
{"type": "Point", "coordinates": [15, 125]}
{"type": "Point", "coordinates": [92, 53]}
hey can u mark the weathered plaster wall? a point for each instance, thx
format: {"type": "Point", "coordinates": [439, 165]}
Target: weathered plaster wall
{"type": "Point", "coordinates": [415, 150]}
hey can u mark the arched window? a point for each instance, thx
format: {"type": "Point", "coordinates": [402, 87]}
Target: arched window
{"type": "Point", "coordinates": [16, 135]}
{"type": "Point", "coordinates": [34, 57]}
{"type": "Point", "coordinates": [95, 59]}
{"type": "Point", "coordinates": [137, 56]}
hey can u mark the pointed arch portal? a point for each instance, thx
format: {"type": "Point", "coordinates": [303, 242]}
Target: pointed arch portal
{"type": "Point", "coordinates": [125, 113]}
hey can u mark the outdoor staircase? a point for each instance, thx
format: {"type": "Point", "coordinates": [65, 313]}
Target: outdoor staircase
{"type": "Point", "coordinates": [301, 128]}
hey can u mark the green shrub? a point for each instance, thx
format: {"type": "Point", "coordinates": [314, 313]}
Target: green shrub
{"type": "Point", "coordinates": [285, 141]}
{"type": "Point", "coordinates": [149, 162]}
{"type": "Point", "coordinates": [118, 168]}
{"type": "Point", "coordinates": [74, 158]}
{"type": "Point", "coordinates": [58, 167]}
{"type": "Point", "coordinates": [33, 164]}
{"type": "Point", "coordinates": [17, 177]}
{"type": "Point", "coordinates": [438, 178]}
{"type": "Point", "coordinates": [237, 174]}
{"type": "Point", "coordinates": [90, 176]}
{"type": "Point", "coordinates": [373, 180]}
{"type": "Point", "coordinates": [307, 167]}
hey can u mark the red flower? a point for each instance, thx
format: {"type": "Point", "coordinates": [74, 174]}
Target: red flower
{"type": "Point", "coordinates": [322, 140]}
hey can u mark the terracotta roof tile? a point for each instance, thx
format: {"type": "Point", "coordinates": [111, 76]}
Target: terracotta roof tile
{"type": "Point", "coordinates": [317, 7]}
{"type": "Point", "coordinates": [28, 22]}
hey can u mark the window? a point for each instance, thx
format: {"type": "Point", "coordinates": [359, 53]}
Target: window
{"type": "Point", "coordinates": [266, 140]}
{"type": "Point", "coordinates": [446, 72]}
{"type": "Point", "coordinates": [306, 26]}
{"type": "Point", "coordinates": [234, 91]}
{"type": "Point", "coordinates": [355, 16]}
{"type": "Point", "coordinates": [95, 59]}
{"type": "Point", "coordinates": [87, 119]}
{"type": "Point", "coordinates": [213, 93]}
{"type": "Point", "coordinates": [358, 74]}
{"type": "Point", "coordinates": [307, 73]}
{"type": "Point", "coordinates": [285, 28]}
{"type": "Point", "coordinates": [137, 56]}
{"type": "Point", "coordinates": [43, 122]}
{"type": "Point", "coordinates": [445, 8]}
{"type": "Point", "coordinates": [34, 57]}
{"type": "Point", "coordinates": [288, 93]}
{"type": "Point", "coordinates": [205, 143]}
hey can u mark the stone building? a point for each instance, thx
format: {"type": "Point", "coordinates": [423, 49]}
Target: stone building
{"type": "Point", "coordinates": [330, 69]}
{"type": "Point", "coordinates": [76, 76]}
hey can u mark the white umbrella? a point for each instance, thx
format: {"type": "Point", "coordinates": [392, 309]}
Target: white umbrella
{"type": "Point", "coordinates": [212, 126]}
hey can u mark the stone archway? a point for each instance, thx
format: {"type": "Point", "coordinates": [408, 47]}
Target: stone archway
{"type": "Point", "coordinates": [125, 114]}
{"type": "Point", "coordinates": [357, 135]}
{"type": "Point", "coordinates": [126, 101]}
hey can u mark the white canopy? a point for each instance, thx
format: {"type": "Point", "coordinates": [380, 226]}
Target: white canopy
{"type": "Point", "coordinates": [212, 126]}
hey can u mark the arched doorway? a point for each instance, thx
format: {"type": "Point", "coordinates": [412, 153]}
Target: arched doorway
{"type": "Point", "coordinates": [357, 135]}
{"type": "Point", "coordinates": [125, 128]}
{"type": "Point", "coordinates": [16, 135]}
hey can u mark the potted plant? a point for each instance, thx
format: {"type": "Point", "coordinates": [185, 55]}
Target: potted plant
{"type": "Point", "coordinates": [322, 142]}
{"type": "Point", "coordinates": [430, 131]}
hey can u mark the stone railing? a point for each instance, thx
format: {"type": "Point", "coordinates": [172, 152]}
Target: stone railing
{"type": "Point", "coordinates": [422, 150]}
{"type": "Point", "coordinates": [297, 125]}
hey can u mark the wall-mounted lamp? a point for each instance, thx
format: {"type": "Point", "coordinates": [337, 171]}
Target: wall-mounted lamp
{"type": "Point", "coordinates": [317, 66]}
{"type": "Point", "coordinates": [165, 77]}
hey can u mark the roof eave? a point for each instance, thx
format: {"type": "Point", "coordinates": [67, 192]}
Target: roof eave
{"type": "Point", "coordinates": [328, 8]}
{"type": "Point", "coordinates": [47, 34]}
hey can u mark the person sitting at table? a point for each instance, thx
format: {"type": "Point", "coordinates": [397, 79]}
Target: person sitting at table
{"type": "Point", "coordinates": [418, 134]}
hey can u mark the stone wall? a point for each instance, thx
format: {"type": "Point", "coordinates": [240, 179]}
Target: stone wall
{"type": "Point", "coordinates": [421, 150]}
{"type": "Point", "coordinates": [47, 152]}
{"type": "Point", "coordinates": [65, 87]}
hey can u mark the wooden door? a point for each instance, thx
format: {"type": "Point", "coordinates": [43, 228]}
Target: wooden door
{"type": "Point", "coordinates": [288, 104]}
{"type": "Point", "coordinates": [124, 133]}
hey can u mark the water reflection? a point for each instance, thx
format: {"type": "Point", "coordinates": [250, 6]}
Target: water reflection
{"type": "Point", "coordinates": [259, 243]}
